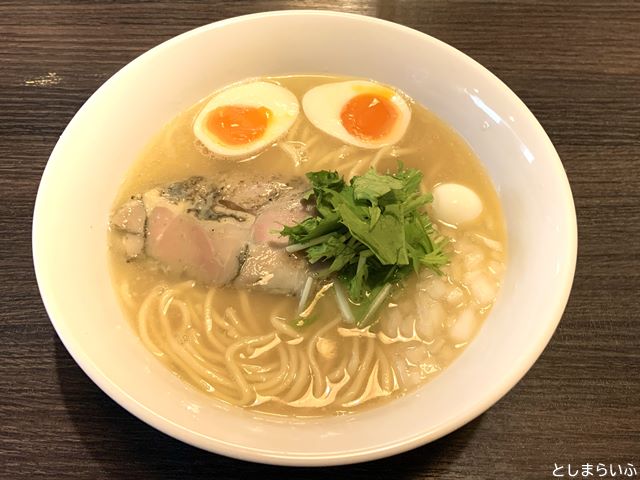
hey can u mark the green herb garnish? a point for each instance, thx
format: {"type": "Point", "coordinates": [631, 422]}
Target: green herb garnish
{"type": "Point", "coordinates": [371, 233]}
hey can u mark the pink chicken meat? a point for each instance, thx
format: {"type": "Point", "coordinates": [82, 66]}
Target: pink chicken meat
{"type": "Point", "coordinates": [219, 232]}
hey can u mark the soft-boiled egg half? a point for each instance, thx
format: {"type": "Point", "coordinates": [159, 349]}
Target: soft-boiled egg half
{"type": "Point", "coordinates": [244, 119]}
{"type": "Point", "coordinates": [455, 204]}
{"type": "Point", "coordinates": [358, 112]}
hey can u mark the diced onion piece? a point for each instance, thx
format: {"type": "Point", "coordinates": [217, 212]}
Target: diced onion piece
{"type": "Point", "coordinates": [436, 288]}
{"type": "Point", "coordinates": [464, 327]}
{"type": "Point", "coordinates": [390, 322]}
{"type": "Point", "coordinates": [327, 348]}
{"type": "Point", "coordinates": [430, 319]}
{"type": "Point", "coordinates": [473, 260]}
{"type": "Point", "coordinates": [407, 325]}
{"type": "Point", "coordinates": [492, 244]}
{"type": "Point", "coordinates": [455, 296]}
{"type": "Point", "coordinates": [496, 267]}
{"type": "Point", "coordinates": [483, 289]}
{"type": "Point", "coordinates": [407, 376]}
{"type": "Point", "coordinates": [417, 354]}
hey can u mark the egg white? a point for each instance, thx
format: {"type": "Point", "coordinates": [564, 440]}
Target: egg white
{"type": "Point", "coordinates": [281, 102]}
{"type": "Point", "coordinates": [323, 105]}
{"type": "Point", "coordinates": [455, 204]}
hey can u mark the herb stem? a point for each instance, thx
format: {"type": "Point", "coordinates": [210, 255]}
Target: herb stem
{"type": "Point", "coordinates": [370, 315]}
{"type": "Point", "coordinates": [343, 304]}
{"type": "Point", "coordinates": [296, 247]}
{"type": "Point", "coordinates": [304, 297]}
{"type": "Point", "coordinates": [307, 311]}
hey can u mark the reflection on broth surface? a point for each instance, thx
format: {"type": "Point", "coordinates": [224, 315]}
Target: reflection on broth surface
{"type": "Point", "coordinates": [230, 327]}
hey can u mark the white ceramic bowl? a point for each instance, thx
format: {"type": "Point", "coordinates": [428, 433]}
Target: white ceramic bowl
{"type": "Point", "coordinates": [94, 152]}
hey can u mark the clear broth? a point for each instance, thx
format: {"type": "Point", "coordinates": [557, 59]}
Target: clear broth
{"type": "Point", "coordinates": [416, 337]}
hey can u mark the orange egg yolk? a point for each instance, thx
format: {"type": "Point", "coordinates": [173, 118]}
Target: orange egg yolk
{"type": "Point", "coordinates": [237, 124]}
{"type": "Point", "coordinates": [369, 116]}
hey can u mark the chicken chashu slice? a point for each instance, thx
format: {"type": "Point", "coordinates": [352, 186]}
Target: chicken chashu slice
{"type": "Point", "coordinates": [218, 231]}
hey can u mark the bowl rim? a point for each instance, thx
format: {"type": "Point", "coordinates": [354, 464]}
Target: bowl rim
{"type": "Point", "coordinates": [519, 369]}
